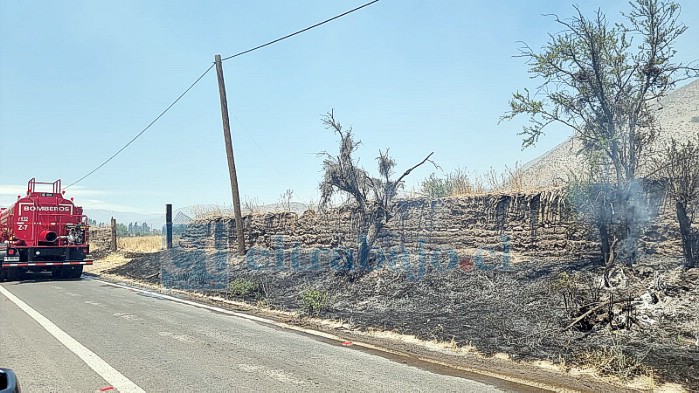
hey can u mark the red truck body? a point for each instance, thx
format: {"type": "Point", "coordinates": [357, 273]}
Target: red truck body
{"type": "Point", "coordinates": [43, 231]}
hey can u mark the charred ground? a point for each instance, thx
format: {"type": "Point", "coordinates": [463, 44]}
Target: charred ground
{"type": "Point", "coordinates": [546, 309]}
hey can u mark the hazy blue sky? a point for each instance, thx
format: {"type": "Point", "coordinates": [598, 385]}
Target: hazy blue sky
{"type": "Point", "coordinates": [78, 79]}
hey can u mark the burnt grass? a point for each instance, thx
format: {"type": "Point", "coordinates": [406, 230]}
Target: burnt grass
{"type": "Point", "coordinates": [519, 310]}
{"type": "Point", "coordinates": [142, 267]}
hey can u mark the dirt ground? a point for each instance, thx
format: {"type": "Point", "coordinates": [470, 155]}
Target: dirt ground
{"type": "Point", "coordinates": [644, 323]}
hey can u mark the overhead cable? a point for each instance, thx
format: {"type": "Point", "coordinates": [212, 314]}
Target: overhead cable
{"type": "Point", "coordinates": [300, 31]}
{"type": "Point", "coordinates": [204, 74]}
{"type": "Point", "coordinates": [144, 130]}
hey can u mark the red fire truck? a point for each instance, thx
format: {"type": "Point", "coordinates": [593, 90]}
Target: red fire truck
{"type": "Point", "coordinates": [43, 231]}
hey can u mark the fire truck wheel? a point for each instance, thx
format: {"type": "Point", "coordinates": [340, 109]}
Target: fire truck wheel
{"type": "Point", "coordinates": [57, 273]}
{"type": "Point", "coordinates": [76, 271]}
{"type": "Point", "coordinates": [14, 274]}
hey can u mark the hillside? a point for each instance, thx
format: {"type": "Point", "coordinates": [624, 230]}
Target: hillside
{"type": "Point", "coordinates": [677, 114]}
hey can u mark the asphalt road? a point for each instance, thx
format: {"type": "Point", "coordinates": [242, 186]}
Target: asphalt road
{"type": "Point", "coordinates": [84, 336]}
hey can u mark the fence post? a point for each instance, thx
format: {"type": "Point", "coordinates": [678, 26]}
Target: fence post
{"type": "Point", "coordinates": [168, 226]}
{"type": "Point", "coordinates": [114, 235]}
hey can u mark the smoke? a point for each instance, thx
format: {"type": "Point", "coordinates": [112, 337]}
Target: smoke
{"type": "Point", "coordinates": [634, 218]}
{"type": "Point", "coordinates": [619, 212]}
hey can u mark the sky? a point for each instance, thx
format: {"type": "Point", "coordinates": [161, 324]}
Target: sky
{"type": "Point", "coordinates": [79, 79]}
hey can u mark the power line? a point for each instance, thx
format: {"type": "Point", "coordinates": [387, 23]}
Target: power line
{"type": "Point", "coordinates": [300, 31]}
{"type": "Point", "coordinates": [204, 74]}
{"type": "Point", "coordinates": [145, 129]}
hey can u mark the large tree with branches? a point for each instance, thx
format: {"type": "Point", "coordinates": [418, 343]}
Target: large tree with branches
{"type": "Point", "coordinates": [373, 196]}
{"type": "Point", "coordinates": [601, 80]}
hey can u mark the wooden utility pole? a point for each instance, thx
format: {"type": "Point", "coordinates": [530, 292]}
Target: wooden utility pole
{"type": "Point", "coordinates": [168, 226]}
{"type": "Point", "coordinates": [114, 235]}
{"type": "Point", "coordinates": [229, 154]}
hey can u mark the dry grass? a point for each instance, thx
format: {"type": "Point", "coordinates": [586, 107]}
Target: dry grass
{"type": "Point", "coordinates": [207, 212]}
{"type": "Point", "coordinates": [464, 183]}
{"type": "Point", "coordinates": [613, 361]}
{"type": "Point", "coordinates": [511, 180]}
{"type": "Point", "coordinates": [106, 260]}
{"type": "Point", "coordinates": [140, 243]}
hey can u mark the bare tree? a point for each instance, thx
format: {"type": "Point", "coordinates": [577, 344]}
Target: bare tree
{"type": "Point", "coordinates": [251, 205]}
{"type": "Point", "coordinates": [678, 164]}
{"type": "Point", "coordinates": [285, 200]}
{"type": "Point", "coordinates": [600, 80]}
{"type": "Point", "coordinates": [373, 196]}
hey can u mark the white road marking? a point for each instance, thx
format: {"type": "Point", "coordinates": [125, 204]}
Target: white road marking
{"type": "Point", "coordinates": [96, 363]}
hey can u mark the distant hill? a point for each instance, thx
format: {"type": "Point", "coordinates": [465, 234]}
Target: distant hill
{"type": "Point", "coordinates": [678, 116]}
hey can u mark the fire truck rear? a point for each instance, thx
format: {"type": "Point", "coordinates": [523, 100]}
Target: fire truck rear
{"type": "Point", "coordinates": [43, 231]}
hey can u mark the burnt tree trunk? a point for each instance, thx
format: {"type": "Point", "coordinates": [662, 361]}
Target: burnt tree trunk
{"type": "Point", "coordinates": [604, 222]}
{"type": "Point", "coordinates": [605, 243]}
{"type": "Point", "coordinates": [365, 245]}
{"type": "Point", "coordinates": [687, 236]}
{"type": "Point", "coordinates": [357, 260]}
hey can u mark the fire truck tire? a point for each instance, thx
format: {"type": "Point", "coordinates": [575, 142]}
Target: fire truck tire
{"type": "Point", "coordinates": [57, 273]}
{"type": "Point", "coordinates": [14, 274]}
{"type": "Point", "coordinates": [76, 271]}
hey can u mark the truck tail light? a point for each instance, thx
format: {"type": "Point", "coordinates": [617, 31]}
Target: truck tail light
{"type": "Point", "coordinates": [11, 251]}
